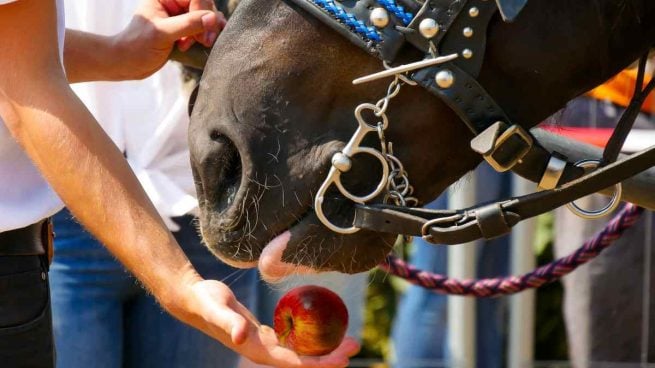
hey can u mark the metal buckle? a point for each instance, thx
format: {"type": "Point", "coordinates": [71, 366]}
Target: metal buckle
{"type": "Point", "coordinates": [513, 131]}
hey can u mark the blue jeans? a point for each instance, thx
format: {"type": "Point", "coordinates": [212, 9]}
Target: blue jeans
{"type": "Point", "coordinates": [419, 333]}
{"type": "Point", "coordinates": [104, 319]}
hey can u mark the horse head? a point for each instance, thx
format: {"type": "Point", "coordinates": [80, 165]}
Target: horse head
{"type": "Point", "coordinates": [276, 102]}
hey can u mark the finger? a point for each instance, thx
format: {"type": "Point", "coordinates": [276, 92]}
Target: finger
{"type": "Point", "coordinates": [338, 358]}
{"type": "Point", "coordinates": [208, 38]}
{"type": "Point", "coordinates": [185, 43]}
{"type": "Point", "coordinates": [201, 5]}
{"type": "Point", "coordinates": [222, 21]}
{"type": "Point", "coordinates": [172, 7]}
{"type": "Point", "coordinates": [243, 311]}
{"type": "Point", "coordinates": [349, 346]}
{"type": "Point", "coordinates": [232, 323]}
{"type": "Point", "coordinates": [191, 24]}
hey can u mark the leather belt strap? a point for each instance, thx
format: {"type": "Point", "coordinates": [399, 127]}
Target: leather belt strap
{"type": "Point", "coordinates": [28, 241]}
{"type": "Point", "coordinates": [490, 221]}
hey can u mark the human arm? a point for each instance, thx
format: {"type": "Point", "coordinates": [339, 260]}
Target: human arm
{"type": "Point", "coordinates": [145, 44]}
{"type": "Point", "coordinates": [91, 176]}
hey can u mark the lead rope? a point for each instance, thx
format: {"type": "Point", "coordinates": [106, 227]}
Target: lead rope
{"type": "Point", "coordinates": [488, 288]}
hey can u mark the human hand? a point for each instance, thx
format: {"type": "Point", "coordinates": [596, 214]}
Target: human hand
{"type": "Point", "coordinates": [144, 45]}
{"type": "Point", "coordinates": [211, 307]}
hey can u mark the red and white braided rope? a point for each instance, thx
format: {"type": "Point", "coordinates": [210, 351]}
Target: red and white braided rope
{"type": "Point", "coordinates": [487, 288]}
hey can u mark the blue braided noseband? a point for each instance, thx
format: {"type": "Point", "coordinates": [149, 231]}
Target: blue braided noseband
{"type": "Point", "coordinates": [398, 11]}
{"type": "Point", "coordinates": [336, 11]}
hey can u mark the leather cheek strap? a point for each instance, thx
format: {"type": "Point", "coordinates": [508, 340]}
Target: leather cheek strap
{"type": "Point", "coordinates": [448, 227]}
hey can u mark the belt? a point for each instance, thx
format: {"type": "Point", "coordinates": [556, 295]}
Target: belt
{"type": "Point", "coordinates": [32, 240]}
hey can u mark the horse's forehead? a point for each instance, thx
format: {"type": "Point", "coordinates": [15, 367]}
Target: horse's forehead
{"type": "Point", "coordinates": [510, 9]}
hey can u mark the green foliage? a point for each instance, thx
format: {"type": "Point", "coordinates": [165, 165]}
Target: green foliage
{"type": "Point", "coordinates": [550, 331]}
{"type": "Point", "coordinates": [378, 316]}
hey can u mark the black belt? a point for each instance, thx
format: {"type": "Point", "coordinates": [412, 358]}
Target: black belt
{"type": "Point", "coordinates": [32, 240]}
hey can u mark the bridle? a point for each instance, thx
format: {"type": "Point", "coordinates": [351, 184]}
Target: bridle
{"type": "Point", "coordinates": [452, 36]}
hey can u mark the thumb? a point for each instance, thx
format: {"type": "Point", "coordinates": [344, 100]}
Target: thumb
{"type": "Point", "coordinates": [233, 324]}
{"type": "Point", "coordinates": [190, 24]}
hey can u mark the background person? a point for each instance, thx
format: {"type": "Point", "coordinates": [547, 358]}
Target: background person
{"type": "Point", "coordinates": [101, 317]}
{"type": "Point", "coordinates": [420, 328]}
{"type": "Point", "coordinates": [606, 321]}
{"type": "Point", "coordinates": [46, 127]}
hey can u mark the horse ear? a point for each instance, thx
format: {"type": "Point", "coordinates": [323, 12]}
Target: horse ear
{"type": "Point", "coordinates": [510, 9]}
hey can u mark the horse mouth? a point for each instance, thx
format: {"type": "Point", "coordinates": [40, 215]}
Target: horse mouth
{"type": "Point", "coordinates": [236, 236]}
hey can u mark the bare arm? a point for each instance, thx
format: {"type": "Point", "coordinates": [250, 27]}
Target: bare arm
{"type": "Point", "coordinates": [76, 156]}
{"type": "Point", "coordinates": [91, 176]}
{"type": "Point", "coordinates": [144, 45]}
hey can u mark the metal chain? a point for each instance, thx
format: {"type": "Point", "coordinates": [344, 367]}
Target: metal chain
{"type": "Point", "coordinates": [399, 190]}
{"type": "Point", "coordinates": [394, 182]}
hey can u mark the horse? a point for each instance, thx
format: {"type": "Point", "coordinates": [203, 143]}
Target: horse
{"type": "Point", "coordinates": [276, 102]}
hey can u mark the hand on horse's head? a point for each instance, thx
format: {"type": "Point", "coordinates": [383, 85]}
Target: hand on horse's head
{"type": "Point", "coordinates": [157, 26]}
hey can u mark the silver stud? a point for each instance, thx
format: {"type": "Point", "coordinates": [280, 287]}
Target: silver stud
{"type": "Point", "coordinates": [467, 53]}
{"type": "Point", "coordinates": [341, 162]}
{"type": "Point", "coordinates": [445, 79]}
{"type": "Point", "coordinates": [428, 28]}
{"type": "Point", "coordinates": [379, 17]}
{"type": "Point", "coordinates": [468, 32]}
{"type": "Point", "coordinates": [474, 12]}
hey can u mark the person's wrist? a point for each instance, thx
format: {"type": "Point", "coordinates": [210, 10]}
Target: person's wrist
{"type": "Point", "coordinates": [131, 52]}
{"type": "Point", "coordinates": [176, 293]}
{"type": "Point", "coordinates": [122, 54]}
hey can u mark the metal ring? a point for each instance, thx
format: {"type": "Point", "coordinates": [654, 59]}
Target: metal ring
{"type": "Point", "coordinates": [375, 109]}
{"type": "Point", "coordinates": [610, 207]}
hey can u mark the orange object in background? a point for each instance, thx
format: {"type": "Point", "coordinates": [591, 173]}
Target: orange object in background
{"type": "Point", "coordinates": [619, 90]}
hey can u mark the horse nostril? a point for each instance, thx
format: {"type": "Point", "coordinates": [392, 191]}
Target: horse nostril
{"type": "Point", "coordinates": [229, 172]}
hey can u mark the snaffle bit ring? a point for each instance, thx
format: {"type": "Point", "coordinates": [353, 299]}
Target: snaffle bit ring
{"type": "Point", "coordinates": [609, 208]}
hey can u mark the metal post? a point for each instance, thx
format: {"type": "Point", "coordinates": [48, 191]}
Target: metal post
{"type": "Point", "coordinates": [461, 264]}
{"type": "Point", "coordinates": [522, 306]}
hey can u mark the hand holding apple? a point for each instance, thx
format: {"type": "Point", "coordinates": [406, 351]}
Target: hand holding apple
{"type": "Point", "coordinates": [310, 320]}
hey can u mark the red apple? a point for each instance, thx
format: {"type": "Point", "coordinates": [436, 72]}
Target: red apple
{"type": "Point", "coordinates": [310, 320]}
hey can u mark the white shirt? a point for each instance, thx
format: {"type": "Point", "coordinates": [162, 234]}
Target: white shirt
{"type": "Point", "coordinates": [147, 119]}
{"type": "Point", "coordinates": [25, 197]}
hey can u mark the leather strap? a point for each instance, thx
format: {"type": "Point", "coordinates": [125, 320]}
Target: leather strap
{"type": "Point", "coordinates": [513, 148]}
{"type": "Point", "coordinates": [445, 12]}
{"type": "Point", "coordinates": [28, 241]}
{"type": "Point", "coordinates": [455, 227]}
{"type": "Point", "coordinates": [625, 124]}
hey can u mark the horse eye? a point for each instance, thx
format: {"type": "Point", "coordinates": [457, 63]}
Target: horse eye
{"type": "Point", "coordinates": [214, 135]}
{"type": "Point", "coordinates": [192, 99]}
